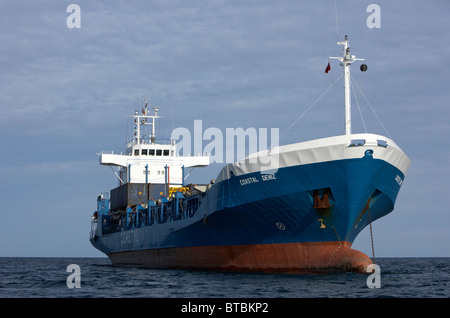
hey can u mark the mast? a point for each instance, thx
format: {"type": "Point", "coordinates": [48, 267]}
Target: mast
{"type": "Point", "coordinates": [143, 120]}
{"type": "Point", "coordinates": [346, 60]}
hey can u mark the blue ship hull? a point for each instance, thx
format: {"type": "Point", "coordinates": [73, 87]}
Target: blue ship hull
{"type": "Point", "coordinates": [302, 217]}
{"type": "Point", "coordinates": [251, 217]}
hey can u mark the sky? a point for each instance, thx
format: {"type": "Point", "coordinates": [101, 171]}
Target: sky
{"type": "Point", "coordinates": [67, 94]}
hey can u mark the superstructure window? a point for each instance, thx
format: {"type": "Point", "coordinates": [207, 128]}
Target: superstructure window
{"type": "Point", "coordinates": [357, 142]}
{"type": "Point", "coordinates": [158, 152]}
{"type": "Point", "coordinates": [144, 152]}
{"type": "Point", "coordinates": [166, 152]}
{"type": "Point", "coordinates": [382, 143]}
{"type": "Point", "coordinates": [151, 152]}
{"type": "Point", "coordinates": [136, 152]}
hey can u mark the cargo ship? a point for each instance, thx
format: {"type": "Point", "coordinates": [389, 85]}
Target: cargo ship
{"type": "Point", "coordinates": [298, 213]}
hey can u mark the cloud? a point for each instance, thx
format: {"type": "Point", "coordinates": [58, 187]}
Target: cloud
{"type": "Point", "coordinates": [67, 93]}
{"type": "Point", "coordinates": [49, 168]}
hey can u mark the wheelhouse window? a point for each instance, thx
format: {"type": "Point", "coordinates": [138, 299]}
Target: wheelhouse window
{"type": "Point", "coordinates": [151, 152]}
{"type": "Point", "coordinates": [136, 152]}
{"type": "Point", "coordinates": [144, 152]}
{"type": "Point", "coordinates": [158, 152]}
{"type": "Point", "coordinates": [166, 152]}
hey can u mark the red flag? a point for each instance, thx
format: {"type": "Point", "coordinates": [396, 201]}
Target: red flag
{"type": "Point", "coordinates": [328, 68]}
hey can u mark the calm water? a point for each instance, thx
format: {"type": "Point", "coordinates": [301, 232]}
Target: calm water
{"type": "Point", "coordinates": [47, 278]}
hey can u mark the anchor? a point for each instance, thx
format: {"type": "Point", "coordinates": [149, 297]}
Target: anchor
{"type": "Point", "coordinates": [321, 203]}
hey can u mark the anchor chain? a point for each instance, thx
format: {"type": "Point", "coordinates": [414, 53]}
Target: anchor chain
{"type": "Point", "coordinates": [371, 236]}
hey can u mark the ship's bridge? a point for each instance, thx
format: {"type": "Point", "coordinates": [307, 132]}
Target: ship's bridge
{"type": "Point", "coordinates": [146, 161]}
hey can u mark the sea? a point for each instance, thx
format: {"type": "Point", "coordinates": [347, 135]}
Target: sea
{"type": "Point", "coordinates": [95, 278]}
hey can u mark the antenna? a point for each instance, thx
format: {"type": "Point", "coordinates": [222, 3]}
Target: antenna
{"type": "Point", "coordinates": [337, 27]}
{"type": "Point", "coordinates": [143, 120]}
{"type": "Point", "coordinates": [144, 110]}
{"type": "Point", "coordinates": [153, 136]}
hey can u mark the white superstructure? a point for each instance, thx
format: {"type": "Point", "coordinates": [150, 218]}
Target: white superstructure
{"type": "Point", "coordinates": [146, 161]}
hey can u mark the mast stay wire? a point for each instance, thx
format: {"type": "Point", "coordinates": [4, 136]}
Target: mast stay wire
{"type": "Point", "coordinates": [332, 85]}
{"type": "Point", "coordinates": [373, 111]}
{"type": "Point", "coordinates": [310, 106]}
{"type": "Point", "coordinates": [332, 77]}
{"type": "Point", "coordinates": [335, 96]}
{"type": "Point", "coordinates": [359, 108]}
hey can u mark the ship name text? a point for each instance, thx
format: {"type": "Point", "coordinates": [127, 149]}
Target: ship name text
{"type": "Point", "coordinates": [264, 177]}
{"type": "Point", "coordinates": [248, 181]}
